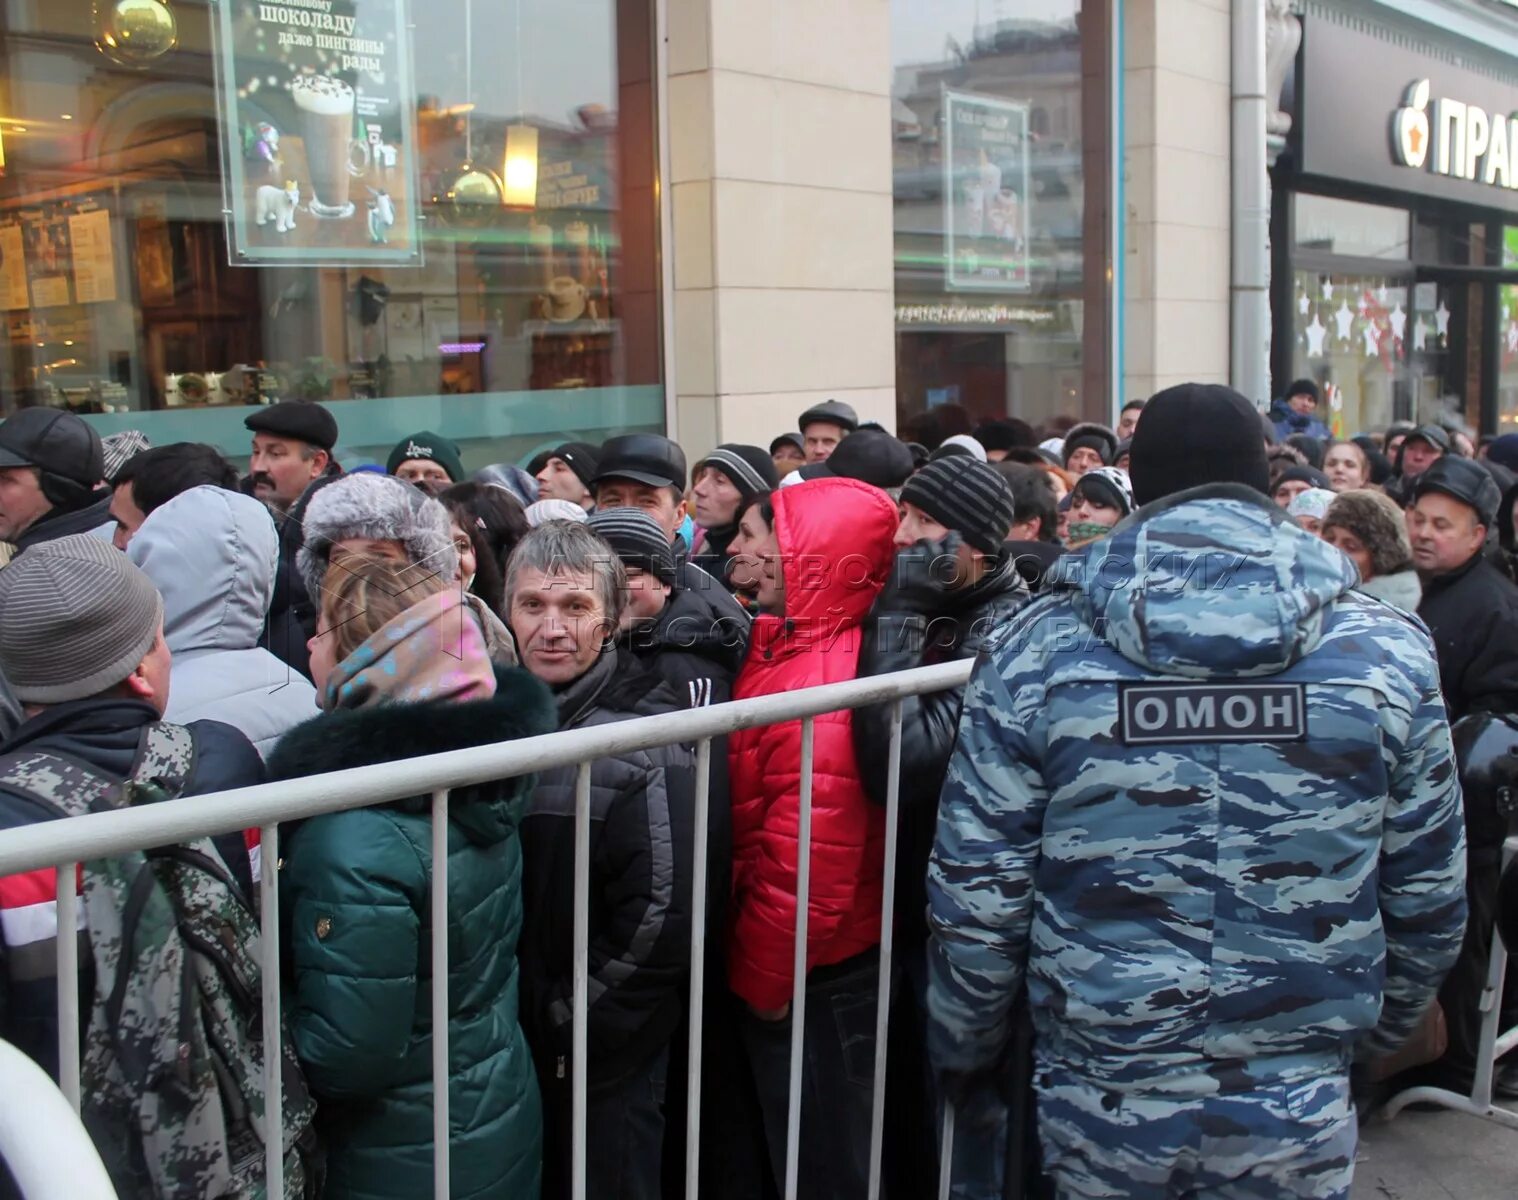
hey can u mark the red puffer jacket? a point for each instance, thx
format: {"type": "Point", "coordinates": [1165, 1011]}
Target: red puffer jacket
{"type": "Point", "coordinates": [835, 545]}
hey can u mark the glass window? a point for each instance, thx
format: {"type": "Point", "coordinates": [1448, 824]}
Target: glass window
{"type": "Point", "coordinates": [998, 251]}
{"type": "Point", "coordinates": [1348, 227]}
{"type": "Point", "coordinates": [435, 214]}
{"type": "Point", "coordinates": [1353, 335]}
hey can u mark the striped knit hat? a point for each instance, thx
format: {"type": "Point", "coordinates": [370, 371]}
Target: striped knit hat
{"type": "Point", "coordinates": [964, 495]}
{"type": "Point", "coordinates": [76, 617]}
{"type": "Point", "coordinates": [750, 469]}
{"type": "Point", "coordinates": [637, 539]}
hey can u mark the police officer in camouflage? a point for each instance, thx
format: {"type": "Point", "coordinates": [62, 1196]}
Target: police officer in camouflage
{"type": "Point", "coordinates": [1204, 802]}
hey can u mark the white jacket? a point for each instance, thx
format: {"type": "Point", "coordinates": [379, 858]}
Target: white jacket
{"type": "Point", "coordinates": [212, 555]}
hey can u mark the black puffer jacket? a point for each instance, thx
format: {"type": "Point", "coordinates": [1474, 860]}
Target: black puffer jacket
{"type": "Point", "coordinates": [1473, 614]}
{"type": "Point", "coordinates": [292, 614]}
{"type": "Point", "coordinates": [641, 862]}
{"type": "Point", "coordinates": [695, 645]}
{"type": "Point", "coordinates": [898, 636]}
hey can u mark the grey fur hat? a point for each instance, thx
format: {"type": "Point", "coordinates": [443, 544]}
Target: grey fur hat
{"type": "Point", "coordinates": [1377, 523]}
{"type": "Point", "coordinates": [381, 507]}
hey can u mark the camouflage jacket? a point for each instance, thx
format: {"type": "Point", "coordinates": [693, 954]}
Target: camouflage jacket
{"type": "Point", "coordinates": [1204, 796]}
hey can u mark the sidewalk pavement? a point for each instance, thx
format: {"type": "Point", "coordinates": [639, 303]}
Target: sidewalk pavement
{"type": "Point", "coordinates": [1436, 1156]}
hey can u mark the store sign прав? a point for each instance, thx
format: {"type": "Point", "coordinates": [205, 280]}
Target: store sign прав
{"type": "Point", "coordinates": [1449, 137]}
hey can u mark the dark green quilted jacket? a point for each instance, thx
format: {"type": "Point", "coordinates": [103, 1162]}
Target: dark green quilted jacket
{"type": "Point", "coordinates": [355, 909]}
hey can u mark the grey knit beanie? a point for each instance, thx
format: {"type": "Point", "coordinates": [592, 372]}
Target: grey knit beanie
{"type": "Point", "coordinates": [1377, 523]}
{"type": "Point", "coordinates": [380, 507]}
{"type": "Point", "coordinates": [75, 619]}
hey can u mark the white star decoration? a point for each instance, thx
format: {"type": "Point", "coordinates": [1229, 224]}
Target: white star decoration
{"type": "Point", "coordinates": [1512, 338]}
{"type": "Point", "coordinates": [1344, 319]}
{"type": "Point", "coordinates": [1372, 339]}
{"type": "Point", "coordinates": [1328, 289]}
{"type": "Point", "coordinates": [1315, 335]}
{"type": "Point", "coordinates": [1441, 318]}
{"type": "Point", "coordinates": [1398, 320]}
{"type": "Point", "coordinates": [1420, 336]}
{"type": "Point", "coordinates": [1303, 304]}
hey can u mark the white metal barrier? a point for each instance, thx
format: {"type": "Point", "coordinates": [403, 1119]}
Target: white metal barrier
{"type": "Point", "coordinates": [41, 1139]}
{"type": "Point", "coordinates": [1493, 1045]}
{"type": "Point", "coordinates": [101, 835]}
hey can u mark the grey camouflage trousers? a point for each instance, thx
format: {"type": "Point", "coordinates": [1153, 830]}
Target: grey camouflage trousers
{"type": "Point", "coordinates": [1271, 1143]}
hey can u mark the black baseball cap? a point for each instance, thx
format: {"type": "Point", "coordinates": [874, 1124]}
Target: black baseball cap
{"type": "Point", "coordinates": [647, 458]}
{"type": "Point", "coordinates": [876, 458]}
{"type": "Point", "coordinates": [1464, 480]}
{"type": "Point", "coordinates": [52, 440]}
{"type": "Point", "coordinates": [303, 420]}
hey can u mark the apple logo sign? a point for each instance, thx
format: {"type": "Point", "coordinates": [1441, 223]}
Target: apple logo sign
{"type": "Point", "coordinates": [1410, 126]}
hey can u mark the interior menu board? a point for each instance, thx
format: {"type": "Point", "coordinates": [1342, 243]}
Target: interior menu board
{"type": "Point", "coordinates": [986, 193]}
{"type": "Point", "coordinates": [94, 257]}
{"type": "Point", "coordinates": [315, 99]}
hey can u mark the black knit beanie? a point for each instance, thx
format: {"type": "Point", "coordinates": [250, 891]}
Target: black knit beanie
{"type": "Point", "coordinates": [637, 539]}
{"type": "Point", "coordinates": [750, 469]}
{"type": "Point", "coordinates": [1194, 434]}
{"type": "Point", "coordinates": [965, 495]}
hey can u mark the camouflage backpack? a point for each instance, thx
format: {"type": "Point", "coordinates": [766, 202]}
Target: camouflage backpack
{"type": "Point", "coordinates": [172, 1064]}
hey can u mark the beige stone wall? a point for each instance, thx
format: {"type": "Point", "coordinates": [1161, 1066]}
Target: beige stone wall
{"type": "Point", "coordinates": [1176, 90]}
{"type": "Point", "coordinates": [780, 170]}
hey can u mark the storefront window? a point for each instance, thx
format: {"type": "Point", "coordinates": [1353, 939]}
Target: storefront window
{"type": "Point", "coordinates": [1507, 332]}
{"type": "Point", "coordinates": [433, 215]}
{"type": "Point", "coordinates": [1000, 272]}
{"type": "Point", "coordinates": [1348, 227]}
{"type": "Point", "coordinates": [1352, 335]}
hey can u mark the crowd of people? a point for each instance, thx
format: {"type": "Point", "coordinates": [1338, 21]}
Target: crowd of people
{"type": "Point", "coordinates": [1188, 853]}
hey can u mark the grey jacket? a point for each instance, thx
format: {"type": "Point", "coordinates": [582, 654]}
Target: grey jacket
{"type": "Point", "coordinates": [212, 554]}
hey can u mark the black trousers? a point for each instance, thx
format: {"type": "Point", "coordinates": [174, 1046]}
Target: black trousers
{"type": "Point", "coordinates": [624, 1135]}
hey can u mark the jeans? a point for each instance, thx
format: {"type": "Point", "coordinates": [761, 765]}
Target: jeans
{"type": "Point", "coordinates": [838, 1066]}
{"type": "Point", "coordinates": [624, 1137]}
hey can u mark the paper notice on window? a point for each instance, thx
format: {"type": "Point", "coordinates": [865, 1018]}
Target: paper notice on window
{"type": "Point", "coordinates": [94, 258]}
{"type": "Point", "coordinates": [13, 293]}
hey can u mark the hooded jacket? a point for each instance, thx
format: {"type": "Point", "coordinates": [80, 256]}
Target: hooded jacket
{"type": "Point", "coordinates": [1217, 886]}
{"type": "Point", "coordinates": [642, 838]}
{"type": "Point", "coordinates": [835, 544]}
{"type": "Point", "coordinates": [213, 555]}
{"type": "Point", "coordinates": [898, 636]}
{"type": "Point", "coordinates": [356, 907]}
{"type": "Point", "coordinates": [1472, 612]}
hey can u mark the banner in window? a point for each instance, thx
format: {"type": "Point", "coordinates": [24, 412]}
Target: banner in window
{"type": "Point", "coordinates": [318, 123]}
{"type": "Point", "coordinates": [986, 193]}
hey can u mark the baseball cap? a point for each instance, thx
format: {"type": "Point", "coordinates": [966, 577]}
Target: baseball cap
{"type": "Point", "coordinates": [645, 458]}
{"type": "Point", "coordinates": [52, 440]}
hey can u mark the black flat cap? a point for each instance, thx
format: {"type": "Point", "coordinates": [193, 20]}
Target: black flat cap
{"type": "Point", "coordinates": [303, 420]}
{"type": "Point", "coordinates": [831, 412]}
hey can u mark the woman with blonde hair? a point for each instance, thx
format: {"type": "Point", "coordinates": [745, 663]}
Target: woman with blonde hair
{"type": "Point", "coordinates": [401, 669]}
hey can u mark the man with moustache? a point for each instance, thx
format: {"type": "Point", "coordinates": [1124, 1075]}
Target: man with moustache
{"type": "Point", "coordinates": [291, 461]}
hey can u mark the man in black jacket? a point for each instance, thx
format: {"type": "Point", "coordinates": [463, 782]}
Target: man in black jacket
{"type": "Point", "coordinates": [51, 478]}
{"type": "Point", "coordinates": [564, 595]}
{"type": "Point", "coordinates": [1471, 609]}
{"type": "Point", "coordinates": [953, 585]}
{"type": "Point", "coordinates": [81, 641]}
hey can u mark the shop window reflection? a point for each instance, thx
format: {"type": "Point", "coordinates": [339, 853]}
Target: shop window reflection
{"type": "Point", "coordinates": [514, 323]}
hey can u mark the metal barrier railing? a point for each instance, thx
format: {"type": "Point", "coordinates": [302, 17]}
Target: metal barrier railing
{"type": "Point", "coordinates": [66, 843]}
{"type": "Point", "coordinates": [48, 1151]}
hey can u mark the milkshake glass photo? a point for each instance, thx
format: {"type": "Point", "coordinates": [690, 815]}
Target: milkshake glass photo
{"type": "Point", "coordinates": [325, 105]}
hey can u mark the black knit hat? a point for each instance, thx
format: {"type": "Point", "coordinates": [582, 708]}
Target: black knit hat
{"type": "Point", "coordinates": [1006, 434]}
{"type": "Point", "coordinates": [1308, 475]}
{"type": "Point", "coordinates": [795, 439]}
{"type": "Point", "coordinates": [1093, 437]}
{"type": "Point", "coordinates": [637, 539]}
{"type": "Point", "coordinates": [580, 457]}
{"type": "Point", "coordinates": [965, 495]}
{"type": "Point", "coordinates": [1194, 434]}
{"type": "Point", "coordinates": [1304, 387]}
{"type": "Point", "coordinates": [748, 468]}
{"type": "Point", "coordinates": [303, 420]}
{"type": "Point", "coordinates": [874, 458]}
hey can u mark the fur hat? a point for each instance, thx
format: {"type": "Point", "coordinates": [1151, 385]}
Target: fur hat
{"type": "Point", "coordinates": [1093, 437]}
{"type": "Point", "coordinates": [1377, 523]}
{"type": "Point", "coordinates": [380, 507]}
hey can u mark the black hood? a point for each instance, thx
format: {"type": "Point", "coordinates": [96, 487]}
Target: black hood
{"type": "Point", "coordinates": [361, 737]}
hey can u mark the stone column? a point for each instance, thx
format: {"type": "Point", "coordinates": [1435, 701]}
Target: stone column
{"type": "Point", "coordinates": [780, 147]}
{"type": "Point", "coordinates": [1178, 188]}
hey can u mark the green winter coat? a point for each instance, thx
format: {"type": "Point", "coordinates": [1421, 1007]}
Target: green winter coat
{"type": "Point", "coordinates": [355, 890]}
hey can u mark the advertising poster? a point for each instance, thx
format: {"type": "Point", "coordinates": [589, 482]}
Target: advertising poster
{"type": "Point", "coordinates": [986, 193]}
{"type": "Point", "coordinates": [317, 112]}
{"type": "Point", "coordinates": [94, 256]}
{"type": "Point", "coordinates": [45, 234]}
{"type": "Point", "coordinates": [12, 268]}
